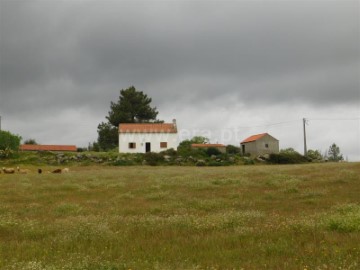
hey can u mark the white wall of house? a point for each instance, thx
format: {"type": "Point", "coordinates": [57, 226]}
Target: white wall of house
{"type": "Point", "coordinates": [140, 141]}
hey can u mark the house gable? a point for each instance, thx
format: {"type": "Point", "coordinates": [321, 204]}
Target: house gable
{"type": "Point", "coordinates": [260, 144]}
{"type": "Point", "coordinates": [257, 137]}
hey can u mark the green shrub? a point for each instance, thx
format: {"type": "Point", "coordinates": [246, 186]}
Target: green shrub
{"type": "Point", "coordinates": [217, 163]}
{"type": "Point", "coordinates": [287, 158]}
{"type": "Point", "coordinates": [6, 153]}
{"type": "Point", "coordinates": [212, 151]}
{"type": "Point", "coordinates": [345, 218]}
{"type": "Point", "coordinates": [201, 163]}
{"type": "Point", "coordinates": [123, 162]}
{"type": "Point", "coordinates": [9, 141]}
{"type": "Point", "coordinates": [231, 149]}
{"type": "Point", "coordinates": [153, 159]}
{"type": "Point", "coordinates": [314, 155]}
{"type": "Point", "coordinates": [169, 152]}
{"type": "Point", "coordinates": [249, 161]}
{"type": "Point", "coordinates": [213, 163]}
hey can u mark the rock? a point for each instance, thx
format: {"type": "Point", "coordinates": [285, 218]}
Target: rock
{"type": "Point", "coordinates": [167, 158]}
{"type": "Point", "coordinates": [200, 163]}
{"type": "Point", "coordinates": [263, 158]}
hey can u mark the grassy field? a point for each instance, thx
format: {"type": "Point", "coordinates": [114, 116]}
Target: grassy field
{"type": "Point", "coordinates": [237, 217]}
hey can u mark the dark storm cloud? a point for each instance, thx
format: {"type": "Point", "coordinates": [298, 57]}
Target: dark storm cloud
{"type": "Point", "coordinates": [62, 62]}
{"type": "Point", "coordinates": [81, 52]}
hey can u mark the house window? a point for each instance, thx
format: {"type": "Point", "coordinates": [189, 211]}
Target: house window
{"type": "Point", "coordinates": [132, 145]}
{"type": "Point", "coordinates": [163, 145]}
{"type": "Point", "coordinates": [266, 145]}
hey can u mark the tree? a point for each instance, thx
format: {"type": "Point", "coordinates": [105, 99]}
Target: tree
{"type": "Point", "coordinates": [200, 140]}
{"type": "Point", "coordinates": [334, 153]}
{"type": "Point", "coordinates": [132, 107]}
{"type": "Point", "coordinates": [314, 154]}
{"type": "Point", "coordinates": [184, 147]}
{"type": "Point", "coordinates": [9, 141]}
{"type": "Point", "coordinates": [30, 141]}
{"type": "Point", "coordinates": [289, 150]}
{"type": "Point", "coordinates": [107, 136]}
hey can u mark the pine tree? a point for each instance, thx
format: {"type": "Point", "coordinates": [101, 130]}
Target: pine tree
{"type": "Point", "coordinates": [132, 107]}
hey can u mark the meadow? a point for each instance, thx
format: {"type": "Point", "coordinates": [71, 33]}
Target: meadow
{"type": "Point", "coordinates": [173, 217]}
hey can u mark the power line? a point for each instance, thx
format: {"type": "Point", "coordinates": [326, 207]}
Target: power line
{"type": "Point", "coordinates": [306, 119]}
{"type": "Point", "coordinates": [334, 119]}
{"type": "Point", "coordinates": [289, 122]}
{"type": "Point", "coordinates": [271, 124]}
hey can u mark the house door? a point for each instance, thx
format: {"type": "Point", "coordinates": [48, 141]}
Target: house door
{"type": "Point", "coordinates": [243, 149]}
{"type": "Point", "coordinates": [147, 147]}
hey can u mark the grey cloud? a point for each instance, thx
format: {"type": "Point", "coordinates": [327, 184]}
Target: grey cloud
{"type": "Point", "coordinates": [63, 55]}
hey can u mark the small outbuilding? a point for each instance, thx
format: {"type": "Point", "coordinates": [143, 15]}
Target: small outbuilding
{"type": "Point", "coordinates": [260, 144]}
{"type": "Point", "coordinates": [218, 146]}
{"type": "Point", "coordinates": [46, 147]}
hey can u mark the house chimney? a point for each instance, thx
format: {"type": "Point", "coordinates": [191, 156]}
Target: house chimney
{"type": "Point", "coordinates": [174, 123]}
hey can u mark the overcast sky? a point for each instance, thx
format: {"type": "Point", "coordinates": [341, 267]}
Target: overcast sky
{"type": "Point", "coordinates": [223, 69]}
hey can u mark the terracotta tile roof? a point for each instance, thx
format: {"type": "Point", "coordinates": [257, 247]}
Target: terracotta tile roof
{"type": "Point", "coordinates": [206, 145]}
{"type": "Point", "coordinates": [254, 138]}
{"type": "Point", "coordinates": [39, 147]}
{"type": "Point", "coordinates": [147, 128]}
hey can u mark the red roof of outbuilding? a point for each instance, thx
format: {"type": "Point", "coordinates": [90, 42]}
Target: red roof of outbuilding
{"type": "Point", "coordinates": [147, 128]}
{"type": "Point", "coordinates": [254, 138]}
{"type": "Point", "coordinates": [42, 147]}
{"type": "Point", "coordinates": [206, 145]}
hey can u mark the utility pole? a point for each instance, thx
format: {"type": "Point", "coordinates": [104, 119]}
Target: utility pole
{"type": "Point", "coordinates": [305, 147]}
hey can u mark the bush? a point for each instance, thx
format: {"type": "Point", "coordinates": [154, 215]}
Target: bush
{"type": "Point", "coordinates": [200, 163]}
{"type": "Point", "coordinates": [9, 144]}
{"type": "Point", "coordinates": [314, 155]}
{"type": "Point", "coordinates": [153, 159]}
{"type": "Point", "coordinates": [217, 163]}
{"type": "Point", "coordinates": [212, 151]}
{"type": "Point", "coordinates": [287, 158]}
{"type": "Point", "coordinates": [249, 161]}
{"type": "Point", "coordinates": [6, 153]}
{"type": "Point", "coordinates": [231, 149]}
{"type": "Point", "coordinates": [123, 162]}
{"type": "Point", "coordinates": [345, 218]}
{"type": "Point", "coordinates": [170, 152]}
{"type": "Point", "coordinates": [9, 141]}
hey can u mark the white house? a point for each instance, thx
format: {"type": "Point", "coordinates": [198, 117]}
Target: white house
{"type": "Point", "coordinates": [147, 137]}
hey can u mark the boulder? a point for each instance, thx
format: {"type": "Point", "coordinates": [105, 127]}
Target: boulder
{"type": "Point", "coordinates": [200, 163]}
